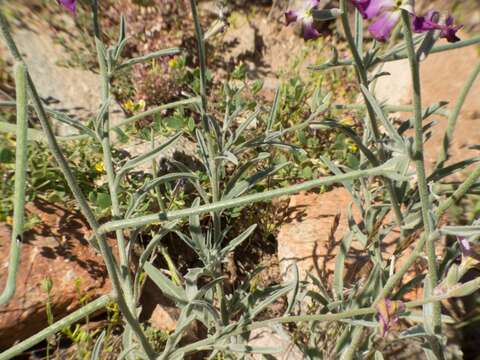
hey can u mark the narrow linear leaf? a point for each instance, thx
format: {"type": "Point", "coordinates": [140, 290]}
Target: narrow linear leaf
{"type": "Point", "coordinates": [381, 115]}
{"type": "Point", "coordinates": [97, 348]}
{"type": "Point", "coordinates": [148, 57]}
{"type": "Point", "coordinates": [168, 288]}
{"type": "Point", "coordinates": [130, 164]}
{"type": "Point", "coordinates": [274, 110]}
{"type": "Point", "coordinates": [238, 240]}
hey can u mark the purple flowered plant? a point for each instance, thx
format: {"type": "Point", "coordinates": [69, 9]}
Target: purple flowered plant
{"type": "Point", "coordinates": [470, 257]}
{"type": "Point", "coordinates": [431, 22]}
{"type": "Point", "coordinates": [387, 314]}
{"type": "Point", "coordinates": [305, 16]}
{"type": "Point", "coordinates": [70, 5]}
{"type": "Point", "coordinates": [465, 247]}
{"type": "Point", "coordinates": [386, 14]}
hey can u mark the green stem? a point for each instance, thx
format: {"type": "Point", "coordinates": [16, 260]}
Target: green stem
{"type": "Point", "coordinates": [363, 79]}
{"type": "Point", "coordinates": [156, 110]}
{"type": "Point", "coordinates": [157, 189]}
{"type": "Point", "coordinates": [74, 317]}
{"type": "Point", "coordinates": [207, 343]}
{"type": "Point", "coordinates": [21, 153]}
{"type": "Point", "coordinates": [390, 108]}
{"type": "Point", "coordinates": [442, 208]}
{"type": "Point", "coordinates": [132, 324]}
{"type": "Point", "coordinates": [212, 152]}
{"type": "Point", "coordinates": [357, 338]}
{"type": "Point", "coordinates": [203, 63]}
{"type": "Point", "coordinates": [108, 161]}
{"type": "Point", "coordinates": [452, 119]}
{"type": "Point", "coordinates": [401, 54]}
{"type": "Point", "coordinates": [420, 165]}
{"type": "Point", "coordinates": [133, 223]}
{"type": "Point", "coordinates": [398, 275]}
{"type": "Point", "coordinates": [459, 193]}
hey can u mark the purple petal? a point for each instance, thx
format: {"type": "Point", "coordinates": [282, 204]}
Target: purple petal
{"type": "Point", "coordinates": [465, 247]}
{"type": "Point", "coordinates": [427, 22]}
{"type": "Point", "coordinates": [309, 31]}
{"type": "Point", "coordinates": [291, 16]}
{"type": "Point", "coordinates": [362, 6]}
{"type": "Point", "coordinates": [311, 4]}
{"type": "Point", "coordinates": [387, 314]}
{"type": "Point", "coordinates": [449, 31]}
{"type": "Point", "coordinates": [376, 7]}
{"type": "Point", "coordinates": [451, 34]}
{"type": "Point", "coordinates": [383, 26]}
{"type": "Point", "coordinates": [70, 5]}
{"type": "Point", "coordinates": [449, 20]}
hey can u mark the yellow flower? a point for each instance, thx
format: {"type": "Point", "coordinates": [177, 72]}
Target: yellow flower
{"type": "Point", "coordinates": [173, 63]}
{"type": "Point", "coordinates": [100, 167]}
{"type": "Point", "coordinates": [353, 148]}
{"type": "Point", "coordinates": [132, 106]}
{"type": "Point", "coordinates": [141, 105]}
{"type": "Point", "coordinates": [9, 220]}
{"type": "Point", "coordinates": [347, 121]}
{"type": "Point", "coordinates": [129, 105]}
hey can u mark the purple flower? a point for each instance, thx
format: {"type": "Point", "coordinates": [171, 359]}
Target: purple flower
{"type": "Point", "coordinates": [449, 31]}
{"type": "Point", "coordinates": [465, 247]}
{"type": "Point", "coordinates": [470, 256]}
{"type": "Point", "coordinates": [431, 21]}
{"type": "Point", "coordinates": [70, 5]}
{"type": "Point", "coordinates": [386, 14]}
{"type": "Point", "coordinates": [427, 22]}
{"type": "Point", "coordinates": [387, 314]}
{"type": "Point", "coordinates": [304, 16]}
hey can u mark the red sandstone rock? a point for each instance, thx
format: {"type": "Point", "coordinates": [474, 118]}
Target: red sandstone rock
{"type": "Point", "coordinates": [57, 249]}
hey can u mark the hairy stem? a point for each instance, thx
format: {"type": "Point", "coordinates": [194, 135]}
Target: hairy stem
{"type": "Point", "coordinates": [21, 163]}
{"type": "Point", "coordinates": [348, 314]}
{"type": "Point", "coordinates": [104, 133]}
{"type": "Point", "coordinates": [401, 54]}
{"type": "Point", "coordinates": [363, 79]}
{"type": "Point", "coordinates": [133, 223]}
{"type": "Point", "coordinates": [420, 164]}
{"type": "Point", "coordinates": [212, 149]}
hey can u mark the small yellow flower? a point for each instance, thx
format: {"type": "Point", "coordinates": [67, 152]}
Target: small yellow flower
{"type": "Point", "coordinates": [100, 167]}
{"type": "Point", "coordinates": [9, 220]}
{"type": "Point", "coordinates": [173, 63]}
{"type": "Point", "coordinates": [141, 105]}
{"type": "Point", "coordinates": [347, 121]}
{"type": "Point", "coordinates": [353, 148]}
{"type": "Point", "coordinates": [129, 105]}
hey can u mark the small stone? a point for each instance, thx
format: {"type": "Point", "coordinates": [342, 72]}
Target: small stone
{"type": "Point", "coordinates": [164, 320]}
{"type": "Point", "coordinates": [267, 338]}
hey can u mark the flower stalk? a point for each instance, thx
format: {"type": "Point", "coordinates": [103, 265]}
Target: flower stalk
{"type": "Point", "coordinates": [362, 77]}
{"type": "Point", "coordinates": [420, 165]}
{"type": "Point", "coordinates": [21, 163]}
